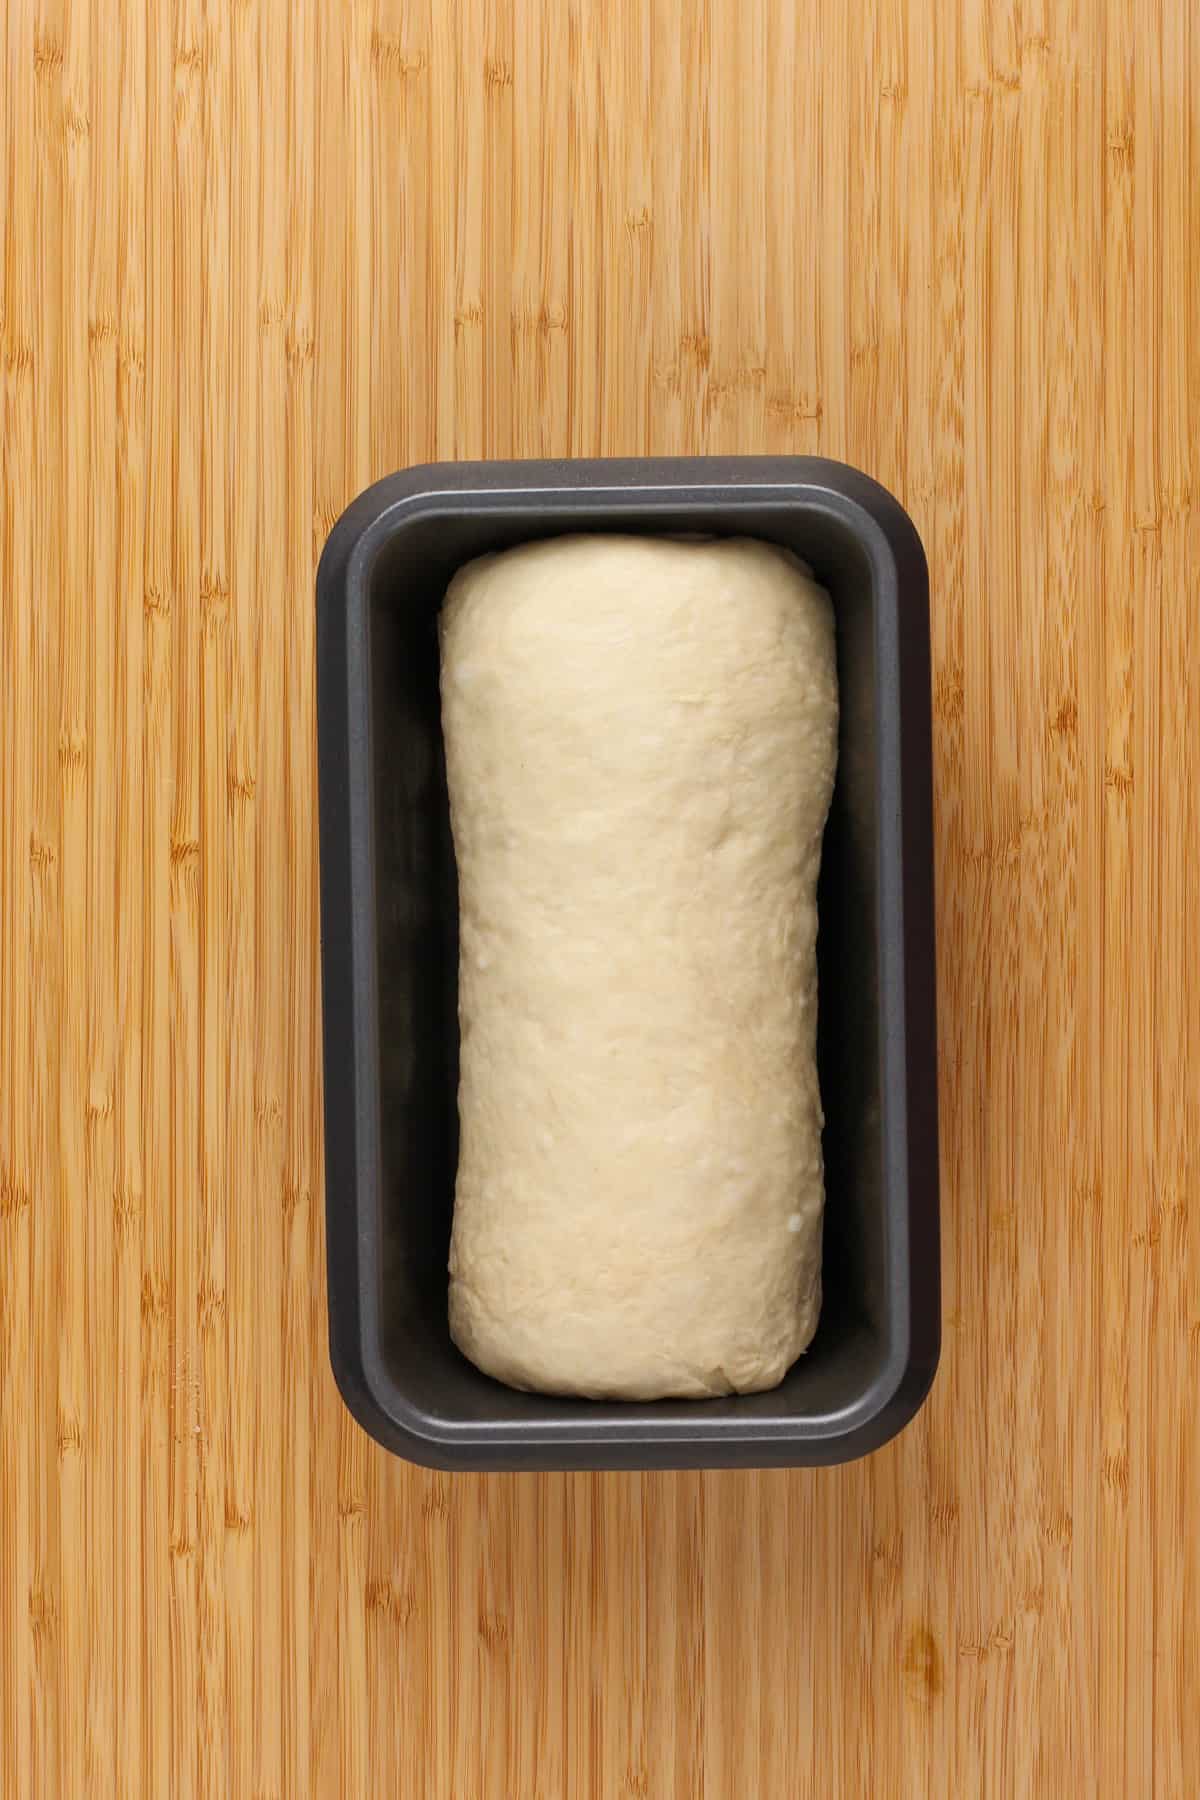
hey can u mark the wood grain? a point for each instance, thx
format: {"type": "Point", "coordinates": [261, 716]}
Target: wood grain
{"type": "Point", "coordinates": [257, 254]}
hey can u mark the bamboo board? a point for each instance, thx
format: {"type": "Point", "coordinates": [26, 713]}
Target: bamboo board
{"type": "Point", "coordinates": [257, 253]}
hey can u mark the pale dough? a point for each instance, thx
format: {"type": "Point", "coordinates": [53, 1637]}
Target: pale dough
{"type": "Point", "coordinates": [640, 744]}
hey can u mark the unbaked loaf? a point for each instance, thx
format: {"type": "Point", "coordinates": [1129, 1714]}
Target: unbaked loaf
{"type": "Point", "coordinates": [640, 744]}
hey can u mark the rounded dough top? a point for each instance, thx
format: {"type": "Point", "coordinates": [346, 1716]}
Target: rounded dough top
{"type": "Point", "coordinates": [640, 742]}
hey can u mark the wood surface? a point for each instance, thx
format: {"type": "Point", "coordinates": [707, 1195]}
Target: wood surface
{"type": "Point", "coordinates": [257, 253]}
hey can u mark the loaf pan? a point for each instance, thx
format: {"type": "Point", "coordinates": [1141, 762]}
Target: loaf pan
{"type": "Point", "coordinates": [389, 924]}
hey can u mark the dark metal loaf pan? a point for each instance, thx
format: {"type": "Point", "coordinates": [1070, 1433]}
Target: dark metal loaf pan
{"type": "Point", "coordinates": [390, 957]}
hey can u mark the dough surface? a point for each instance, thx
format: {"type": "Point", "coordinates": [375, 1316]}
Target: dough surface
{"type": "Point", "coordinates": [640, 742]}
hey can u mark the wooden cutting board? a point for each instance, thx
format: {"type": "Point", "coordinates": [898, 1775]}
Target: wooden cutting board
{"type": "Point", "coordinates": [257, 254]}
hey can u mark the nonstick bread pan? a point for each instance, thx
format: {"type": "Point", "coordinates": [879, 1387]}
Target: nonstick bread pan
{"type": "Point", "coordinates": [389, 924]}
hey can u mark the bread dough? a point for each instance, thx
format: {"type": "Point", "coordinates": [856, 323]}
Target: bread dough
{"type": "Point", "coordinates": [640, 745]}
